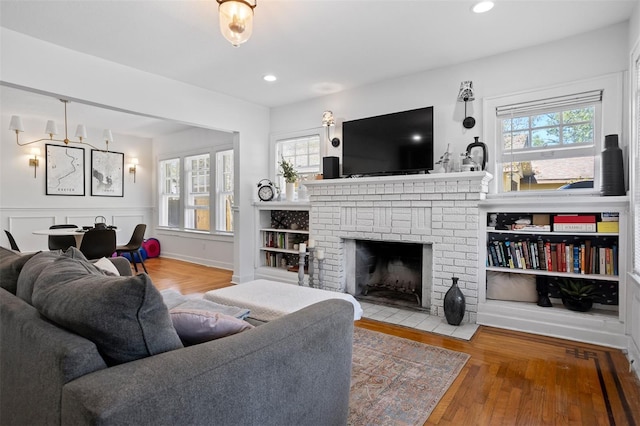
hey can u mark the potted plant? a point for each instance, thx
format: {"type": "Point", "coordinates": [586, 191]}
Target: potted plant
{"type": "Point", "coordinates": [577, 295]}
{"type": "Point", "coordinates": [290, 177]}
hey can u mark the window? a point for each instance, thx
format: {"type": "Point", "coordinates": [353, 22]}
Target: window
{"type": "Point", "coordinates": [224, 190]}
{"type": "Point", "coordinates": [169, 211]}
{"type": "Point", "coordinates": [303, 152]}
{"type": "Point", "coordinates": [198, 209]}
{"type": "Point", "coordinates": [551, 139]}
{"type": "Point", "coordinates": [549, 145]}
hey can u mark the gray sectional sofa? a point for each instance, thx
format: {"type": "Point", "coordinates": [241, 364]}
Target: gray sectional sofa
{"type": "Point", "coordinates": [130, 368]}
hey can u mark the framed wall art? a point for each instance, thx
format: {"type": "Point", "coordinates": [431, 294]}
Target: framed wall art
{"type": "Point", "coordinates": [107, 173]}
{"type": "Point", "coordinates": [64, 170]}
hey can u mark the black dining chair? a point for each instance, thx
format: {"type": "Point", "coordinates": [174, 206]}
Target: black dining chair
{"type": "Point", "coordinates": [97, 243]}
{"type": "Point", "coordinates": [134, 245]}
{"type": "Point", "coordinates": [62, 242]}
{"type": "Point", "coordinates": [12, 241]}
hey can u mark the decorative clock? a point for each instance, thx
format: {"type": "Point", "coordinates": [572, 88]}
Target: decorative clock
{"type": "Point", "coordinates": [266, 190]}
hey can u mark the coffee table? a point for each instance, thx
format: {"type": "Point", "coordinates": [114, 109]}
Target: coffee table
{"type": "Point", "coordinates": [269, 300]}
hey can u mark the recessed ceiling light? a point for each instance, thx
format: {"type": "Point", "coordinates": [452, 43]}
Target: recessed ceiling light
{"type": "Point", "coordinates": [270, 78]}
{"type": "Point", "coordinates": [483, 6]}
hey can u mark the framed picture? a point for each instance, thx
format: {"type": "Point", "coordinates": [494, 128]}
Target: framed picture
{"type": "Point", "coordinates": [107, 173]}
{"type": "Point", "coordinates": [64, 170]}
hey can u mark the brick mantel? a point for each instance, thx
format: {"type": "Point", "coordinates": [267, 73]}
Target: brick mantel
{"type": "Point", "coordinates": [436, 209]}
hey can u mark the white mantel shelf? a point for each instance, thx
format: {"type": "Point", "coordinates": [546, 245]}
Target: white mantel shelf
{"type": "Point", "coordinates": [432, 177]}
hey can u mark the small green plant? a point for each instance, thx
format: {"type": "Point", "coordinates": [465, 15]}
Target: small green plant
{"type": "Point", "coordinates": [288, 172]}
{"type": "Point", "coordinates": [577, 290]}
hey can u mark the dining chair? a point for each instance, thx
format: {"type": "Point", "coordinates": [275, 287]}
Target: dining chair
{"type": "Point", "coordinates": [12, 241]}
{"type": "Point", "coordinates": [134, 245]}
{"type": "Point", "coordinates": [62, 242]}
{"type": "Point", "coordinates": [97, 243]}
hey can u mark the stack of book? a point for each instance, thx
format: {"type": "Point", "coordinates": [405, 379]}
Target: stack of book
{"type": "Point", "coordinates": [610, 222]}
{"type": "Point", "coordinates": [574, 223]}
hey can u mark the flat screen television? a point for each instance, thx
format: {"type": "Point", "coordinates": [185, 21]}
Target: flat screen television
{"type": "Point", "coordinates": [397, 143]}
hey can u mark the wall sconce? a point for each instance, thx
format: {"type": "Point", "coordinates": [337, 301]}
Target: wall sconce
{"type": "Point", "coordinates": [34, 162]}
{"type": "Point", "coordinates": [133, 168]}
{"type": "Point", "coordinates": [236, 20]}
{"type": "Point", "coordinates": [466, 95]}
{"type": "Point", "coordinates": [51, 129]}
{"type": "Point", "coordinates": [328, 121]}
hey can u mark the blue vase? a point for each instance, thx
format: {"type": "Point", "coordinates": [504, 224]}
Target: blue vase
{"type": "Point", "coordinates": [454, 304]}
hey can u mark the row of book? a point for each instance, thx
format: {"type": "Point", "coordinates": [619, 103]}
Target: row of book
{"type": "Point", "coordinates": [275, 240]}
{"type": "Point", "coordinates": [583, 258]}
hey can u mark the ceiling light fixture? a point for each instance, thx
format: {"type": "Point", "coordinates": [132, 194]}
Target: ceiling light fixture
{"type": "Point", "coordinates": [236, 20]}
{"type": "Point", "coordinates": [270, 78]}
{"type": "Point", "coordinates": [52, 130]}
{"type": "Point", "coordinates": [482, 7]}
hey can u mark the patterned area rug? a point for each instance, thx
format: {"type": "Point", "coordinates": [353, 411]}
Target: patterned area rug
{"type": "Point", "coordinates": [396, 381]}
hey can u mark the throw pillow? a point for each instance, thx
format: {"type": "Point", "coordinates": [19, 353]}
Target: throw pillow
{"type": "Point", "coordinates": [174, 299]}
{"type": "Point", "coordinates": [31, 271]}
{"type": "Point", "coordinates": [11, 264]}
{"type": "Point", "coordinates": [124, 316]}
{"type": "Point", "coordinates": [196, 326]}
{"type": "Point", "coordinates": [107, 266]}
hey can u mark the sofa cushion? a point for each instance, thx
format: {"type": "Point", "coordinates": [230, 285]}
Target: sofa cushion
{"type": "Point", "coordinates": [124, 316]}
{"type": "Point", "coordinates": [197, 326]}
{"type": "Point", "coordinates": [11, 264]}
{"type": "Point", "coordinates": [31, 271]}
{"type": "Point", "coordinates": [105, 265]}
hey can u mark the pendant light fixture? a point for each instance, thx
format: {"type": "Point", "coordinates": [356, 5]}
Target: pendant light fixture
{"type": "Point", "coordinates": [51, 129]}
{"type": "Point", "coordinates": [236, 20]}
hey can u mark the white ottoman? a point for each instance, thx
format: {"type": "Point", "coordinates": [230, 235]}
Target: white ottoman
{"type": "Point", "coordinates": [269, 300]}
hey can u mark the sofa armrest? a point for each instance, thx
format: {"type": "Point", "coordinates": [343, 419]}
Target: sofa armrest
{"type": "Point", "coordinates": [122, 264]}
{"type": "Point", "coordinates": [293, 370]}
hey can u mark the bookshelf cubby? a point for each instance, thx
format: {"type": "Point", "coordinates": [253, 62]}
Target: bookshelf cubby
{"type": "Point", "coordinates": [523, 236]}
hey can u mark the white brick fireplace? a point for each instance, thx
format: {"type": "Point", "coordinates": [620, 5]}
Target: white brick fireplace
{"type": "Point", "coordinates": [437, 210]}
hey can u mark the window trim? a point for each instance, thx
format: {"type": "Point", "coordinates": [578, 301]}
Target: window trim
{"type": "Point", "coordinates": [610, 122]}
{"type": "Point", "coordinates": [213, 213]}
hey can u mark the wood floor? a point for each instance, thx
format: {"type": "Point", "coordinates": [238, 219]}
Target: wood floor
{"type": "Point", "coordinates": [511, 378]}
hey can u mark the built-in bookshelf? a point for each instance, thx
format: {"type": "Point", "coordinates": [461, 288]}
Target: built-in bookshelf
{"type": "Point", "coordinates": [281, 227]}
{"type": "Point", "coordinates": [549, 241]}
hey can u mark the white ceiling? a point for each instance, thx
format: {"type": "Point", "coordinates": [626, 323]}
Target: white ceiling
{"type": "Point", "coordinates": [315, 47]}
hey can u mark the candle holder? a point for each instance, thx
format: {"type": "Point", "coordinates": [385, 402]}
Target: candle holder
{"type": "Point", "coordinates": [320, 273]}
{"type": "Point", "coordinates": [311, 250]}
{"type": "Point", "coordinates": [301, 268]}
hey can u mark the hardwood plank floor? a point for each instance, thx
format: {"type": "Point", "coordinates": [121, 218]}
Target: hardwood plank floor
{"type": "Point", "coordinates": [512, 378]}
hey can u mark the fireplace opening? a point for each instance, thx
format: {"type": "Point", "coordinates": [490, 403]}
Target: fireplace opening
{"type": "Point", "coordinates": [389, 273]}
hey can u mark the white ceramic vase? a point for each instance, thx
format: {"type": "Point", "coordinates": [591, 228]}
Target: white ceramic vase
{"type": "Point", "coordinates": [290, 190]}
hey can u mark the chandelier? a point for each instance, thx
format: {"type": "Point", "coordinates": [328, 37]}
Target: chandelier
{"type": "Point", "coordinates": [52, 130]}
{"type": "Point", "coordinates": [236, 20]}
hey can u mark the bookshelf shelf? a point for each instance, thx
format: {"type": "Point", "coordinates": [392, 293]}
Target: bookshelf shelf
{"type": "Point", "coordinates": [279, 226]}
{"type": "Point", "coordinates": [587, 257]}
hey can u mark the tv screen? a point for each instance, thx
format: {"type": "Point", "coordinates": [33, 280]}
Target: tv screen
{"type": "Point", "coordinates": [396, 143]}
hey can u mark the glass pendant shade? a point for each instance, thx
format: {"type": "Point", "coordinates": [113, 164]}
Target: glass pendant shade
{"type": "Point", "coordinates": [236, 21]}
{"type": "Point", "coordinates": [16, 124]}
{"type": "Point", "coordinates": [51, 128]}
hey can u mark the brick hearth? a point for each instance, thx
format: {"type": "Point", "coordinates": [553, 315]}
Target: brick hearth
{"type": "Point", "coordinates": [440, 210]}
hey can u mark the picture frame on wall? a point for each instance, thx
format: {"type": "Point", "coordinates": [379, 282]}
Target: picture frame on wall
{"type": "Point", "coordinates": [64, 170]}
{"type": "Point", "coordinates": [107, 173]}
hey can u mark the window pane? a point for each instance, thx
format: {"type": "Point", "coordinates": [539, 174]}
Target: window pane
{"type": "Point", "coordinates": [197, 199]}
{"type": "Point", "coordinates": [520, 123]}
{"type": "Point", "coordinates": [224, 191]}
{"type": "Point", "coordinates": [545, 120]}
{"type": "Point", "coordinates": [579, 133]}
{"type": "Point", "coordinates": [545, 137]}
{"type": "Point", "coordinates": [518, 139]}
{"type": "Point", "coordinates": [554, 174]}
{"type": "Point", "coordinates": [169, 197]}
{"type": "Point", "coordinates": [579, 115]}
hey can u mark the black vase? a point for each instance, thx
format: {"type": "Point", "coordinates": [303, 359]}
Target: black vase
{"type": "Point", "coordinates": [612, 167]}
{"type": "Point", "coordinates": [454, 304]}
